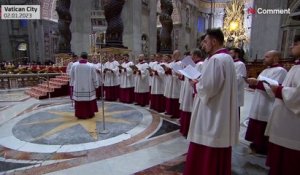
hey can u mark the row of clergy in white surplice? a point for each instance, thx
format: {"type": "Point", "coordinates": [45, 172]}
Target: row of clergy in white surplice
{"type": "Point", "coordinates": [161, 83]}
{"type": "Point", "coordinates": [170, 85]}
{"type": "Point", "coordinates": [221, 86]}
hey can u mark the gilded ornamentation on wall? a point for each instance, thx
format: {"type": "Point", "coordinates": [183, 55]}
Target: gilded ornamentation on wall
{"type": "Point", "coordinates": [233, 26]}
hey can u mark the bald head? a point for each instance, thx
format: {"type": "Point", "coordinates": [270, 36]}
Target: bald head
{"type": "Point", "coordinates": [152, 57]}
{"type": "Point", "coordinates": [272, 57]}
{"type": "Point", "coordinates": [176, 52]}
{"type": "Point", "coordinates": [176, 55]}
{"type": "Point", "coordinates": [276, 55]}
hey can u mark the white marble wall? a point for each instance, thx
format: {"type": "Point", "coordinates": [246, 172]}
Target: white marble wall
{"type": "Point", "coordinates": [139, 20]}
{"type": "Point", "coordinates": [188, 34]}
{"type": "Point", "coordinates": [81, 25]}
{"type": "Point", "coordinates": [266, 29]}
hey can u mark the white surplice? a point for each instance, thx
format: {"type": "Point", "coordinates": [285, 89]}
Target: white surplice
{"type": "Point", "coordinates": [84, 81]}
{"type": "Point", "coordinates": [214, 120]}
{"type": "Point", "coordinates": [71, 82]}
{"type": "Point", "coordinates": [126, 77]}
{"type": "Point", "coordinates": [262, 103]}
{"type": "Point", "coordinates": [111, 78]}
{"type": "Point", "coordinates": [283, 126]}
{"type": "Point", "coordinates": [186, 96]}
{"type": "Point", "coordinates": [142, 81]}
{"type": "Point", "coordinates": [173, 84]}
{"type": "Point", "coordinates": [241, 72]}
{"type": "Point", "coordinates": [187, 91]}
{"type": "Point", "coordinates": [98, 67]}
{"type": "Point", "coordinates": [151, 65]}
{"type": "Point", "coordinates": [69, 66]}
{"type": "Point", "coordinates": [158, 81]}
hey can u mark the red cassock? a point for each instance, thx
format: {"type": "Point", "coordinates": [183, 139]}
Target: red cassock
{"type": "Point", "coordinates": [202, 160]}
{"type": "Point", "coordinates": [282, 160]}
{"type": "Point", "coordinates": [256, 134]}
{"type": "Point", "coordinates": [85, 109]}
{"type": "Point", "coordinates": [142, 99]}
{"type": "Point", "coordinates": [158, 102]}
{"type": "Point", "coordinates": [172, 107]}
{"type": "Point", "coordinates": [112, 93]}
{"type": "Point", "coordinates": [127, 95]}
{"type": "Point", "coordinates": [185, 119]}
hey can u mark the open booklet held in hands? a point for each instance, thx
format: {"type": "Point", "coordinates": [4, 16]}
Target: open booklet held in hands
{"type": "Point", "coordinates": [176, 68]}
{"type": "Point", "coordinates": [190, 72]}
{"type": "Point", "coordinates": [268, 83]}
{"type": "Point", "coordinates": [133, 67]}
{"type": "Point", "coordinates": [188, 61]}
{"type": "Point", "coordinates": [164, 67]}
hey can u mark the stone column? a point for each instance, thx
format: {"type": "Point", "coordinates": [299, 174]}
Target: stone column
{"type": "Point", "coordinates": [152, 26]}
{"type": "Point", "coordinates": [32, 40]}
{"type": "Point", "coordinates": [262, 41]}
{"type": "Point", "coordinates": [6, 49]}
{"type": "Point", "coordinates": [114, 31]}
{"type": "Point", "coordinates": [64, 21]}
{"type": "Point", "coordinates": [136, 25]}
{"type": "Point", "coordinates": [81, 25]}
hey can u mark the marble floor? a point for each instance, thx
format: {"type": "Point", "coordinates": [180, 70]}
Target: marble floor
{"type": "Point", "coordinates": [44, 137]}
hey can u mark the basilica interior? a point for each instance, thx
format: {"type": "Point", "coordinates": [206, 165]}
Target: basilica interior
{"type": "Point", "coordinates": [38, 131]}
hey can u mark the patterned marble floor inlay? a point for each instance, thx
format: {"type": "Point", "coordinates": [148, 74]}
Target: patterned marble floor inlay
{"type": "Point", "coordinates": [2, 107]}
{"type": "Point", "coordinates": [166, 127]}
{"type": "Point", "coordinates": [59, 126]}
{"type": "Point", "coordinates": [43, 136]}
{"type": "Point", "coordinates": [13, 96]}
{"type": "Point", "coordinates": [172, 167]}
{"type": "Point", "coordinates": [56, 129]}
{"type": "Point", "coordinates": [5, 166]}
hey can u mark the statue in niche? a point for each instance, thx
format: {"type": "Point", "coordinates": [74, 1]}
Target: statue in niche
{"type": "Point", "coordinates": [114, 31]}
{"type": "Point", "coordinates": [64, 21]}
{"type": "Point", "coordinates": [167, 26]}
{"type": "Point", "coordinates": [187, 23]}
{"type": "Point", "coordinates": [145, 47]}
